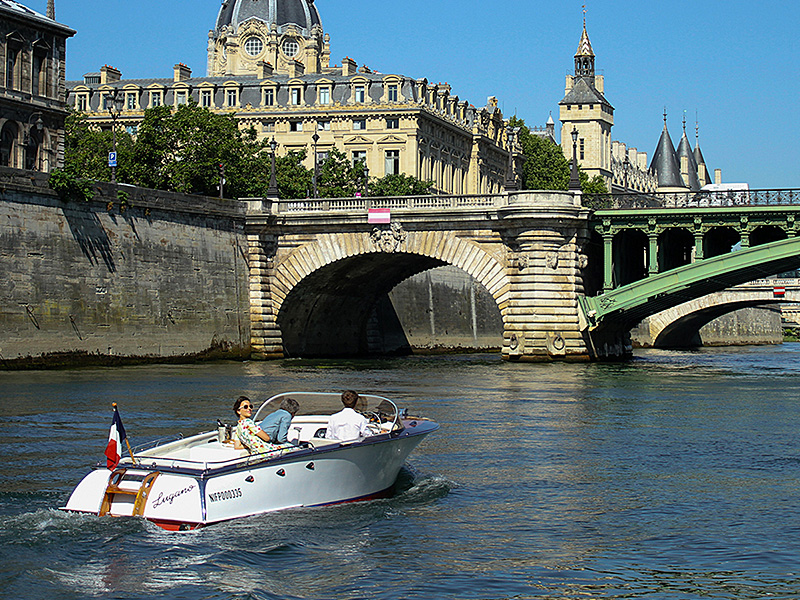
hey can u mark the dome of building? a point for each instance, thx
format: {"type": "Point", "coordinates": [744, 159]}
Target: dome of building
{"type": "Point", "coordinates": [300, 13]}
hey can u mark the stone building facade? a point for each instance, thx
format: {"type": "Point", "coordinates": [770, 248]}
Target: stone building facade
{"type": "Point", "coordinates": [32, 87]}
{"type": "Point", "coordinates": [269, 65]}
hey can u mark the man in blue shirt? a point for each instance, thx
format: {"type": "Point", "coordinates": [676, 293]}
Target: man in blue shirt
{"type": "Point", "coordinates": [276, 425]}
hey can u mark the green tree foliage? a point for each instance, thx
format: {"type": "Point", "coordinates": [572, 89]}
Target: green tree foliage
{"type": "Point", "coordinates": [546, 167]}
{"type": "Point", "coordinates": [400, 185]}
{"type": "Point", "coordinates": [182, 150]}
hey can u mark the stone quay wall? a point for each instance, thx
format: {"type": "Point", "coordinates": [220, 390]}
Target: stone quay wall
{"type": "Point", "coordinates": [133, 274]}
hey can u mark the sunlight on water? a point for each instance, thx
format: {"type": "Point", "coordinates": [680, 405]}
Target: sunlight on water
{"type": "Point", "coordinates": [673, 476]}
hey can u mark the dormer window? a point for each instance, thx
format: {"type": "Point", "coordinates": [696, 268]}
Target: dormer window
{"type": "Point", "coordinates": [181, 98]}
{"type": "Point", "coordinates": [156, 98]}
{"type": "Point", "coordinates": [81, 102]}
{"type": "Point", "coordinates": [130, 100]}
{"type": "Point", "coordinates": [325, 95]}
{"type": "Point", "coordinates": [206, 99]}
{"type": "Point", "coordinates": [391, 92]}
{"type": "Point", "coordinates": [359, 93]}
{"type": "Point", "coordinates": [269, 97]}
{"type": "Point", "coordinates": [232, 97]}
{"type": "Point", "coordinates": [296, 96]}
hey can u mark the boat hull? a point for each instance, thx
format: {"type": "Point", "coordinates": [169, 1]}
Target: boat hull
{"type": "Point", "coordinates": [177, 497]}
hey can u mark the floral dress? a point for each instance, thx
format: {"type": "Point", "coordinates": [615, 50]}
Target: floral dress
{"type": "Point", "coordinates": [247, 433]}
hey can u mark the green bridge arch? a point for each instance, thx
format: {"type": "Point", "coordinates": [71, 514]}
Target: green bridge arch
{"type": "Point", "coordinates": [622, 308]}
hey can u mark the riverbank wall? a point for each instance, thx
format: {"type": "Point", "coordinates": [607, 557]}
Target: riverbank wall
{"type": "Point", "coordinates": [132, 275]}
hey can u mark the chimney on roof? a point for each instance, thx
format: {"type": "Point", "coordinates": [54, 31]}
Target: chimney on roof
{"type": "Point", "coordinates": [51, 9]}
{"type": "Point", "coordinates": [265, 69]}
{"type": "Point", "coordinates": [181, 72]}
{"type": "Point", "coordinates": [296, 68]}
{"type": "Point", "coordinates": [349, 67]}
{"type": "Point", "coordinates": [109, 74]}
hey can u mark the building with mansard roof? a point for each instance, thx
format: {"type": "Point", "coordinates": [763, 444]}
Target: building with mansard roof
{"type": "Point", "coordinates": [32, 87]}
{"type": "Point", "coordinates": [585, 111]}
{"type": "Point", "coordinates": [269, 64]}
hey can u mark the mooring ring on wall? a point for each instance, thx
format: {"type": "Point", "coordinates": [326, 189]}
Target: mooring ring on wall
{"type": "Point", "coordinates": [513, 342]}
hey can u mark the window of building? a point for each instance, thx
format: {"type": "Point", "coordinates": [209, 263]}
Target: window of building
{"type": "Point", "coordinates": [156, 98]}
{"type": "Point", "coordinates": [359, 93]}
{"type": "Point", "coordinates": [391, 93]}
{"type": "Point", "coordinates": [296, 95]}
{"type": "Point", "coordinates": [37, 75]}
{"type": "Point", "coordinates": [359, 124]}
{"type": "Point", "coordinates": [12, 54]}
{"type": "Point", "coordinates": [82, 102]}
{"type": "Point", "coordinates": [322, 157]}
{"type": "Point", "coordinates": [290, 48]}
{"type": "Point", "coordinates": [582, 148]}
{"type": "Point", "coordinates": [232, 97]}
{"type": "Point", "coordinates": [325, 95]}
{"type": "Point", "coordinates": [392, 162]}
{"type": "Point", "coordinates": [295, 126]}
{"type": "Point", "coordinates": [253, 46]}
{"type": "Point", "coordinates": [269, 97]}
{"type": "Point", "coordinates": [323, 125]}
{"type": "Point", "coordinates": [392, 123]}
{"type": "Point", "coordinates": [132, 129]}
{"type": "Point", "coordinates": [269, 127]}
{"type": "Point", "coordinates": [130, 100]}
{"type": "Point", "coordinates": [181, 97]}
{"type": "Point", "coordinates": [205, 98]}
{"type": "Point", "coordinates": [359, 156]}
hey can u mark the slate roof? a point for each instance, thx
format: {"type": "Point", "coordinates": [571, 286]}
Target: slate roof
{"type": "Point", "coordinates": [302, 13]}
{"type": "Point", "coordinates": [685, 149]}
{"type": "Point", "coordinates": [665, 162]}
{"type": "Point", "coordinates": [583, 92]}
{"type": "Point", "coordinates": [24, 11]}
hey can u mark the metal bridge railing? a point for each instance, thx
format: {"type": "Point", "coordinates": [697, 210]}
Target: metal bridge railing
{"type": "Point", "coordinates": [699, 199]}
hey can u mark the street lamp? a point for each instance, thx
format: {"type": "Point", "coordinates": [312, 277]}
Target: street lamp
{"type": "Point", "coordinates": [574, 178]}
{"type": "Point", "coordinates": [114, 107]}
{"type": "Point", "coordinates": [272, 190]}
{"type": "Point", "coordinates": [626, 167]}
{"type": "Point", "coordinates": [27, 140]}
{"type": "Point", "coordinates": [511, 177]}
{"type": "Point", "coordinates": [315, 139]}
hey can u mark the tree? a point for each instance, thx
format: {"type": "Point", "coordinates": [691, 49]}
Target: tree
{"type": "Point", "coordinates": [400, 185]}
{"type": "Point", "coordinates": [338, 177]}
{"type": "Point", "coordinates": [86, 150]}
{"type": "Point", "coordinates": [546, 167]}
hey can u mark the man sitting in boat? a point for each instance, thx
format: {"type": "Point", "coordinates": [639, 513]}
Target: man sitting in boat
{"type": "Point", "coordinates": [347, 424]}
{"type": "Point", "coordinates": [276, 425]}
{"type": "Point", "coordinates": [247, 434]}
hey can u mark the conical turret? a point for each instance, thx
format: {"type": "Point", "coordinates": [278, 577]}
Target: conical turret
{"type": "Point", "coordinates": [665, 163]}
{"type": "Point", "coordinates": [689, 172]}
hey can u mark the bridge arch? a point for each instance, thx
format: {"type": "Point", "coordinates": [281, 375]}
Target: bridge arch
{"type": "Point", "coordinates": [324, 292]}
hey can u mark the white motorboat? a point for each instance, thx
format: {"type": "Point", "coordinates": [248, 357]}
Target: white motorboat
{"type": "Point", "coordinates": [186, 483]}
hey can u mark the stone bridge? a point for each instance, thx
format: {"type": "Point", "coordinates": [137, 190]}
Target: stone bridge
{"type": "Point", "coordinates": [318, 267]}
{"type": "Point", "coordinates": [678, 326]}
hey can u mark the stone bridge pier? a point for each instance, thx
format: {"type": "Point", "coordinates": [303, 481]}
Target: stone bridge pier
{"type": "Point", "coordinates": [318, 268]}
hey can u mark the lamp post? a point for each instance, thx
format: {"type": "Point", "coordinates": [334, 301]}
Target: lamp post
{"type": "Point", "coordinates": [114, 107]}
{"type": "Point", "coordinates": [272, 190]}
{"type": "Point", "coordinates": [27, 140]}
{"type": "Point", "coordinates": [315, 139]}
{"type": "Point", "coordinates": [626, 166]}
{"type": "Point", "coordinates": [574, 177]}
{"type": "Point", "coordinates": [511, 177]}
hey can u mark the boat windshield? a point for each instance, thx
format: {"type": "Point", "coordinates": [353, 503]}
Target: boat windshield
{"type": "Point", "coordinates": [322, 403]}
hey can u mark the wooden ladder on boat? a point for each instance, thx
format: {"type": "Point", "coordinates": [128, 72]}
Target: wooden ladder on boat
{"type": "Point", "coordinates": [116, 487]}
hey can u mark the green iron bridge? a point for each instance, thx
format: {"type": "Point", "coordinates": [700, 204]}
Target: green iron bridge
{"type": "Point", "coordinates": [660, 250]}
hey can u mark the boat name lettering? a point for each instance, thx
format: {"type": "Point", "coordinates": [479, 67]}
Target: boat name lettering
{"type": "Point", "coordinates": [225, 495]}
{"type": "Point", "coordinates": [162, 499]}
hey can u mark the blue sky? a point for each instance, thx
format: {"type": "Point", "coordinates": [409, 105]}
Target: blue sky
{"type": "Point", "coordinates": [734, 65]}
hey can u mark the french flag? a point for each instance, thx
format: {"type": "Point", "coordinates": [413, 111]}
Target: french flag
{"type": "Point", "coordinates": [116, 436]}
{"type": "Point", "coordinates": [379, 215]}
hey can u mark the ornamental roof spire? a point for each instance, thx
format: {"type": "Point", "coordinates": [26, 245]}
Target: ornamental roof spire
{"type": "Point", "coordinates": [584, 57]}
{"type": "Point", "coordinates": [51, 9]}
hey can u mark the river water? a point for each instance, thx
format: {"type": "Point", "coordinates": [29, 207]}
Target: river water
{"type": "Point", "coordinates": [674, 476]}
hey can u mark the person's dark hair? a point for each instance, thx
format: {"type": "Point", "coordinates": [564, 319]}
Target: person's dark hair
{"type": "Point", "coordinates": [239, 402]}
{"type": "Point", "coordinates": [349, 398]}
{"type": "Point", "coordinates": [290, 405]}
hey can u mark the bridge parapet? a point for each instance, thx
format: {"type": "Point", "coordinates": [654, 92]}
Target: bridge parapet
{"type": "Point", "coordinates": [696, 199]}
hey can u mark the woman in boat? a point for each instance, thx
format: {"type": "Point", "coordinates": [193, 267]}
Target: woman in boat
{"type": "Point", "coordinates": [247, 434]}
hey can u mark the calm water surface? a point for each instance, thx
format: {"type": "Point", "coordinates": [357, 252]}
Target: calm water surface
{"type": "Point", "coordinates": [674, 476]}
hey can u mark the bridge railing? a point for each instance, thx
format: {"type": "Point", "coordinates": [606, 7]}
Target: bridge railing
{"type": "Point", "coordinates": [390, 202]}
{"type": "Point", "coordinates": [688, 199]}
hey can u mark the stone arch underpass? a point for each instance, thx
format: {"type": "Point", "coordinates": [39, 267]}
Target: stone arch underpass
{"type": "Point", "coordinates": [323, 293]}
{"type": "Point", "coordinates": [679, 326]}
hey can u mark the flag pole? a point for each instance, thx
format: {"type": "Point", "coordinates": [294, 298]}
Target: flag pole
{"type": "Point", "coordinates": [127, 443]}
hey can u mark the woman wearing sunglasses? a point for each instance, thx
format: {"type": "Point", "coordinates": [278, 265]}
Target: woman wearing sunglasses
{"type": "Point", "coordinates": [247, 434]}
